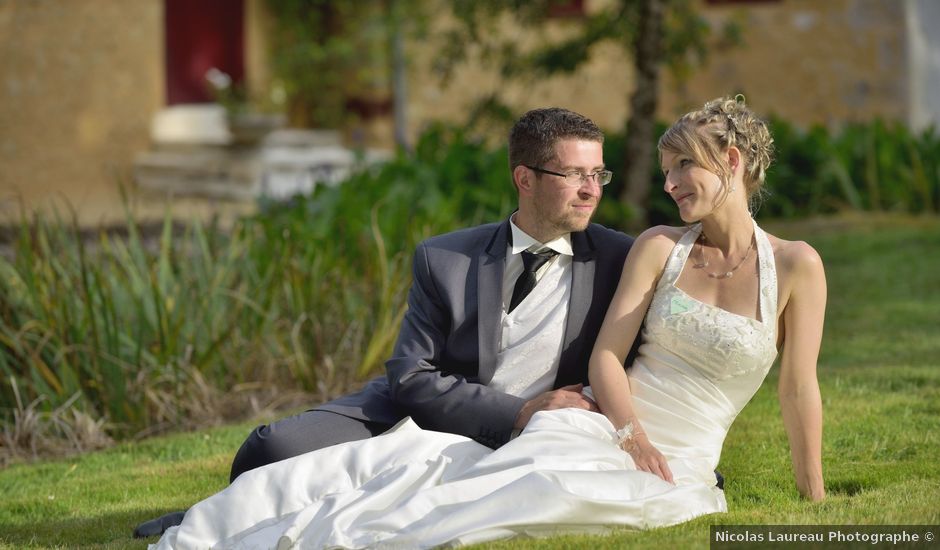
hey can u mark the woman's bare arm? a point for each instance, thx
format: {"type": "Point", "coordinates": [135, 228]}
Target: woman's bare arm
{"type": "Point", "coordinates": [641, 271]}
{"type": "Point", "coordinates": [800, 401]}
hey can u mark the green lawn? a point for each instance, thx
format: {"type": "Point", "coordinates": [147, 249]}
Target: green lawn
{"type": "Point", "coordinates": [879, 372]}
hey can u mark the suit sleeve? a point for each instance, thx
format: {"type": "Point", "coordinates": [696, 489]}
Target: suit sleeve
{"type": "Point", "coordinates": [427, 390]}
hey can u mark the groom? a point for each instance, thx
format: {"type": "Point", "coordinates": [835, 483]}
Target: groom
{"type": "Point", "coordinates": [501, 317]}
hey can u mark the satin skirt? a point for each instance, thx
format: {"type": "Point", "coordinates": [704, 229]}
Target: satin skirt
{"type": "Point", "coordinates": [412, 488]}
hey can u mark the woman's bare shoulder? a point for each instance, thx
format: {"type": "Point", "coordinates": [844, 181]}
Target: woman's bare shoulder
{"type": "Point", "coordinates": [795, 257]}
{"type": "Point", "coordinates": [660, 236]}
{"type": "Point", "coordinates": [653, 247]}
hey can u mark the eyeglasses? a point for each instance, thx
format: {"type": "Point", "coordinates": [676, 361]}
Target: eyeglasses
{"type": "Point", "coordinates": [576, 178]}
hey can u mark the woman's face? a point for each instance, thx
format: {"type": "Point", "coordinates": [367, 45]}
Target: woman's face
{"type": "Point", "coordinates": [696, 190]}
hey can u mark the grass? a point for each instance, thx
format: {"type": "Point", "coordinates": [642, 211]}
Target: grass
{"type": "Point", "coordinates": [879, 372]}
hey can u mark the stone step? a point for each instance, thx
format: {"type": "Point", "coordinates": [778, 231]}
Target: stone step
{"type": "Point", "coordinates": [273, 170]}
{"type": "Point", "coordinates": [221, 174]}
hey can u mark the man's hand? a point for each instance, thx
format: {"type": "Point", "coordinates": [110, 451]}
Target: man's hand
{"type": "Point", "coordinates": [562, 398]}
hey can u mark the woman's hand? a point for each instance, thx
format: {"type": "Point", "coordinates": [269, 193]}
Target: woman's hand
{"type": "Point", "coordinates": [647, 457]}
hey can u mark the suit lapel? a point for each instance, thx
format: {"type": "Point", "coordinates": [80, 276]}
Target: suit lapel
{"type": "Point", "coordinates": [582, 291]}
{"type": "Point", "coordinates": [490, 300]}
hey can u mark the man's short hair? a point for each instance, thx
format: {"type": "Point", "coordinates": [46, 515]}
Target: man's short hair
{"type": "Point", "coordinates": [533, 137]}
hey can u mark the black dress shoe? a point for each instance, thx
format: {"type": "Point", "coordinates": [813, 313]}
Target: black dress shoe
{"type": "Point", "coordinates": [157, 526]}
{"type": "Point", "coordinates": [720, 480]}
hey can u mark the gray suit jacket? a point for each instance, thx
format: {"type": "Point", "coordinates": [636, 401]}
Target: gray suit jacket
{"type": "Point", "coordinates": [446, 351]}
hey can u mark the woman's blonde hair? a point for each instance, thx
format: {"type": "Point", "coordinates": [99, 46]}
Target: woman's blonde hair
{"type": "Point", "coordinates": [705, 134]}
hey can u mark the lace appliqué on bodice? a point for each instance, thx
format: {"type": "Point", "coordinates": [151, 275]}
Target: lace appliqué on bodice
{"type": "Point", "coordinates": [717, 343]}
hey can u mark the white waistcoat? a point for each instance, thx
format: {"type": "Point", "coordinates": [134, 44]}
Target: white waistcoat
{"type": "Point", "coordinates": [533, 334]}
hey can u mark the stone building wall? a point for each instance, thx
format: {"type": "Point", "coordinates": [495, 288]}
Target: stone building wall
{"type": "Point", "coordinates": [811, 62]}
{"type": "Point", "coordinates": [79, 84]}
{"type": "Point", "coordinates": [81, 81]}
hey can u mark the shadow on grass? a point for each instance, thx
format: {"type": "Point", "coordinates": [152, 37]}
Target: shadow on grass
{"type": "Point", "coordinates": [110, 530]}
{"type": "Point", "coordinates": [850, 487]}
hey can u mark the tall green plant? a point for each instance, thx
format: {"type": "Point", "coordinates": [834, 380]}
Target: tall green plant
{"type": "Point", "coordinates": [874, 166]}
{"type": "Point", "coordinates": [148, 329]}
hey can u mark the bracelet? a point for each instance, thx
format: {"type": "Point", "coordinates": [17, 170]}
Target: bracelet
{"type": "Point", "coordinates": [626, 437]}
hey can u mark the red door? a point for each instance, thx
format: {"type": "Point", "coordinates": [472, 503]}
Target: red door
{"type": "Point", "coordinates": [200, 35]}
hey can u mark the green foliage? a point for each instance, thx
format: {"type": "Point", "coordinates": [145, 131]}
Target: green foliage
{"type": "Point", "coordinates": [326, 55]}
{"type": "Point", "coordinates": [875, 166]}
{"type": "Point", "coordinates": [122, 324]}
{"type": "Point", "coordinates": [564, 48]}
{"type": "Point", "coordinates": [150, 331]}
{"type": "Point", "coordinates": [879, 446]}
{"type": "Point", "coordinates": [153, 331]}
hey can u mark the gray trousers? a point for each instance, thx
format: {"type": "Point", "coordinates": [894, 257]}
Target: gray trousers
{"type": "Point", "coordinates": [299, 434]}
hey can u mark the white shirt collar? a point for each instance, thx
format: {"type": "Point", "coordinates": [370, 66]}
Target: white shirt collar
{"type": "Point", "coordinates": [522, 241]}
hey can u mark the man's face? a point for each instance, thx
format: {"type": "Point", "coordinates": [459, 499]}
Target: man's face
{"type": "Point", "coordinates": [559, 208]}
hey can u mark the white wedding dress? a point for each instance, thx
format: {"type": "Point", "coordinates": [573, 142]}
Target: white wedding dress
{"type": "Point", "coordinates": [410, 488]}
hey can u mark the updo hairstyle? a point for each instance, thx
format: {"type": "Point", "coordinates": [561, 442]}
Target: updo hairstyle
{"type": "Point", "coordinates": [706, 133]}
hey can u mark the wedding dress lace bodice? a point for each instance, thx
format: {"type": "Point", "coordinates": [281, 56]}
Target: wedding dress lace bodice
{"type": "Point", "coordinates": [717, 343]}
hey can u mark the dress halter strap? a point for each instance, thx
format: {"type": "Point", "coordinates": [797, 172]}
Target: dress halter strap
{"type": "Point", "coordinates": [767, 268]}
{"type": "Point", "coordinates": [768, 277]}
{"type": "Point", "coordinates": [680, 253]}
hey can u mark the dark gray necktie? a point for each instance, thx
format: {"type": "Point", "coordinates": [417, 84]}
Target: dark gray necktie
{"type": "Point", "coordinates": [526, 282]}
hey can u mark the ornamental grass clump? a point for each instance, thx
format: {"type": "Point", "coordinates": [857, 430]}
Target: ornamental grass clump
{"type": "Point", "coordinates": [194, 325]}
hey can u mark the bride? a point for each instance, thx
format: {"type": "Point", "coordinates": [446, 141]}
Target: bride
{"type": "Point", "coordinates": [713, 303]}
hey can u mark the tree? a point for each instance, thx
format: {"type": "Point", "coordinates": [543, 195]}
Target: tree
{"type": "Point", "coordinates": [312, 48]}
{"type": "Point", "coordinates": [648, 54]}
{"type": "Point", "coordinates": [653, 32]}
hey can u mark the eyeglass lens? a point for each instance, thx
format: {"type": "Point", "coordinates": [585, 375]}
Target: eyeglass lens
{"type": "Point", "coordinates": [577, 178]}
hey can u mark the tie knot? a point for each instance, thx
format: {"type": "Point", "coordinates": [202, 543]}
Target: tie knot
{"type": "Point", "coordinates": [532, 261]}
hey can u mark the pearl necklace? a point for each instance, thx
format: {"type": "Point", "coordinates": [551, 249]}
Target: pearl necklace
{"type": "Point", "coordinates": [704, 262]}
